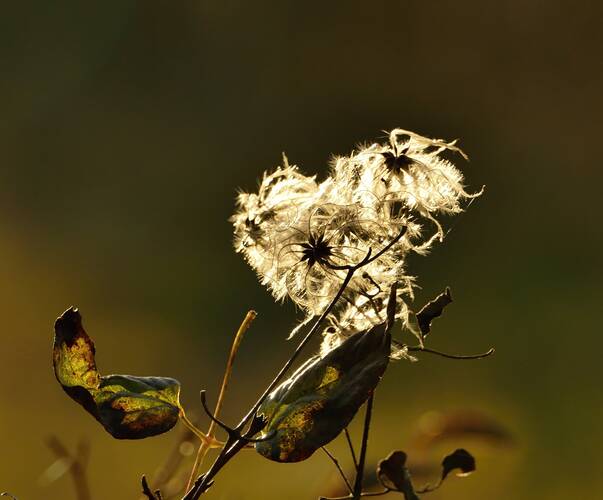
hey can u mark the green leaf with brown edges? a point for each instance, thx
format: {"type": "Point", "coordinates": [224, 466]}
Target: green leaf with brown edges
{"type": "Point", "coordinates": [321, 398]}
{"type": "Point", "coordinates": [128, 407]}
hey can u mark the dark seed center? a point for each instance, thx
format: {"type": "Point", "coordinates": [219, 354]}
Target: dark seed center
{"type": "Point", "coordinates": [316, 250]}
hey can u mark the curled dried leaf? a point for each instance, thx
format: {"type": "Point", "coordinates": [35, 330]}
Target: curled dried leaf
{"type": "Point", "coordinates": [459, 459]}
{"type": "Point", "coordinates": [128, 407]}
{"type": "Point", "coordinates": [432, 310]}
{"type": "Point", "coordinates": [394, 475]}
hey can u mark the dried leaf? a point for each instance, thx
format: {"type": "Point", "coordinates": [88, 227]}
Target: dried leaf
{"type": "Point", "coordinates": [128, 407]}
{"type": "Point", "coordinates": [321, 398]}
{"type": "Point", "coordinates": [393, 474]}
{"type": "Point", "coordinates": [459, 459]}
{"type": "Point", "coordinates": [433, 309]}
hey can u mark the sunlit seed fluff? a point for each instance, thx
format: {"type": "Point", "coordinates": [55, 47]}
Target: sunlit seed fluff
{"type": "Point", "coordinates": [408, 175]}
{"type": "Point", "coordinates": [298, 235]}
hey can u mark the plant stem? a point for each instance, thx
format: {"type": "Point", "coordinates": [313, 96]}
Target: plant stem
{"type": "Point", "coordinates": [341, 473]}
{"type": "Point", "coordinates": [232, 447]}
{"type": "Point", "coordinates": [451, 356]}
{"type": "Point", "coordinates": [349, 440]}
{"type": "Point", "coordinates": [298, 350]}
{"type": "Point", "coordinates": [365, 434]}
{"type": "Point", "coordinates": [368, 259]}
{"type": "Point", "coordinates": [205, 439]}
{"type": "Point", "coordinates": [206, 444]}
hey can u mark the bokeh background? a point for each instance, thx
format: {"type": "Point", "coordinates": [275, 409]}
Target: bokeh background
{"type": "Point", "coordinates": [126, 129]}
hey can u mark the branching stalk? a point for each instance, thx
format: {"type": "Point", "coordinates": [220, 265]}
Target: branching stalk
{"type": "Point", "coordinates": [351, 446]}
{"type": "Point", "coordinates": [368, 259]}
{"type": "Point", "coordinates": [341, 473]}
{"type": "Point", "coordinates": [365, 434]}
{"type": "Point", "coordinates": [234, 445]}
{"type": "Point", "coordinates": [206, 440]}
{"type": "Point", "coordinates": [206, 444]}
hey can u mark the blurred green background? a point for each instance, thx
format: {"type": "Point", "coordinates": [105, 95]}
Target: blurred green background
{"type": "Point", "coordinates": [126, 129]}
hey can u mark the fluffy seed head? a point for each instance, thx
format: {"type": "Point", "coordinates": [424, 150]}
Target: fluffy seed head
{"type": "Point", "coordinates": [299, 235]}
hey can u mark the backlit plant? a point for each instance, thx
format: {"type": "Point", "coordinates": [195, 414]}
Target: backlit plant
{"type": "Point", "coordinates": [338, 249]}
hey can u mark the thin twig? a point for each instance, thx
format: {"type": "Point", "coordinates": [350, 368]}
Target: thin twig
{"type": "Point", "coordinates": [351, 445]}
{"type": "Point", "coordinates": [451, 356]}
{"type": "Point", "coordinates": [233, 433]}
{"type": "Point", "coordinates": [341, 473]}
{"type": "Point", "coordinates": [233, 446]}
{"type": "Point", "coordinates": [368, 259]}
{"type": "Point", "coordinates": [298, 350]}
{"type": "Point", "coordinates": [146, 491]}
{"type": "Point", "coordinates": [203, 447]}
{"type": "Point", "coordinates": [391, 317]}
{"type": "Point", "coordinates": [209, 441]}
{"type": "Point", "coordinates": [365, 434]}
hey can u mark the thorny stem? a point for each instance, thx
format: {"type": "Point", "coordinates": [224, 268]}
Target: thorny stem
{"type": "Point", "coordinates": [365, 434]}
{"type": "Point", "coordinates": [451, 356]}
{"type": "Point", "coordinates": [349, 440]}
{"type": "Point", "coordinates": [341, 473]}
{"type": "Point", "coordinates": [204, 446]}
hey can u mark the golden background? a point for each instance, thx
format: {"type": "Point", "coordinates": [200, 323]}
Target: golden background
{"type": "Point", "coordinates": [126, 129]}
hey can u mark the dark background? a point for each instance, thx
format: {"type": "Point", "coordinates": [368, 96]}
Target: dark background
{"type": "Point", "coordinates": [126, 129]}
